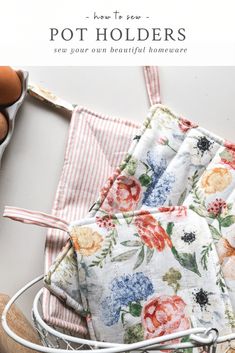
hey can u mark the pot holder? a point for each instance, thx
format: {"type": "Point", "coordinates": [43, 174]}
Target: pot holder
{"type": "Point", "coordinates": [141, 275]}
{"type": "Point", "coordinates": [160, 169]}
{"type": "Point", "coordinates": [76, 192]}
{"type": "Point", "coordinates": [213, 198]}
{"type": "Point", "coordinates": [108, 139]}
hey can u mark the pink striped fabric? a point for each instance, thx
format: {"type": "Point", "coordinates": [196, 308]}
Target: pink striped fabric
{"type": "Point", "coordinates": [96, 146]}
{"type": "Point", "coordinates": [152, 84]}
{"type": "Point", "coordinates": [38, 218]}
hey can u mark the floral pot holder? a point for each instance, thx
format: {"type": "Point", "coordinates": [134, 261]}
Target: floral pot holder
{"type": "Point", "coordinates": [171, 162]}
{"type": "Point", "coordinates": [142, 274]}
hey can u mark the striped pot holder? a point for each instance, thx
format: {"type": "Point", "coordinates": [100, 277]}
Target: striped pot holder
{"type": "Point", "coordinates": [108, 140]}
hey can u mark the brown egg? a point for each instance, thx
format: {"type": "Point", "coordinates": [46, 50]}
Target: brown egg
{"type": "Point", "coordinates": [10, 86]}
{"type": "Point", "coordinates": [3, 127]}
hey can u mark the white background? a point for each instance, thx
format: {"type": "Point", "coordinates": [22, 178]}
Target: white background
{"type": "Point", "coordinates": [32, 163]}
{"type": "Point", "coordinates": [25, 34]}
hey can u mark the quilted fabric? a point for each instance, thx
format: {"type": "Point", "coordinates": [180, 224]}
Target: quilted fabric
{"type": "Point", "coordinates": [143, 275]}
{"type": "Point", "coordinates": [108, 139]}
{"type": "Point", "coordinates": [169, 161]}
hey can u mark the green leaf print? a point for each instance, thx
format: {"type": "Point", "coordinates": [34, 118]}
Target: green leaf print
{"type": "Point", "coordinates": [220, 281]}
{"type": "Point", "coordinates": [198, 197]}
{"type": "Point", "coordinates": [124, 256]}
{"type": "Point", "coordinates": [134, 334]}
{"type": "Point", "coordinates": [135, 309]}
{"type": "Point", "coordinates": [206, 249]}
{"type": "Point", "coordinates": [182, 197]}
{"type": "Point", "coordinates": [131, 166]}
{"type": "Point", "coordinates": [149, 255]}
{"type": "Point", "coordinates": [227, 221]}
{"type": "Point", "coordinates": [110, 242]}
{"type": "Point", "coordinates": [186, 260]}
{"type": "Point", "coordinates": [140, 258]}
{"type": "Point", "coordinates": [132, 243]}
{"type": "Point", "coordinates": [145, 180]}
{"type": "Point", "coordinates": [169, 228]}
{"type": "Point", "coordinates": [215, 233]}
{"type": "Point", "coordinates": [199, 210]}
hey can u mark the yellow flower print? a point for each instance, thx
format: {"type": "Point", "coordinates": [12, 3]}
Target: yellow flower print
{"type": "Point", "coordinates": [216, 180]}
{"type": "Point", "coordinates": [85, 240]}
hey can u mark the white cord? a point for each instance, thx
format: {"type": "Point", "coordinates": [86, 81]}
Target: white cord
{"type": "Point", "coordinates": [107, 344]}
{"type": "Point", "coordinates": [207, 338]}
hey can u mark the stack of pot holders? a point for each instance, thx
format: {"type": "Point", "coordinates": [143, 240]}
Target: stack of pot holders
{"type": "Point", "coordinates": [155, 254]}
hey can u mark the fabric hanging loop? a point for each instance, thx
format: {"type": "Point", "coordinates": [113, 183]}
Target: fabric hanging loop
{"type": "Point", "coordinates": [33, 217]}
{"type": "Point", "coordinates": [152, 82]}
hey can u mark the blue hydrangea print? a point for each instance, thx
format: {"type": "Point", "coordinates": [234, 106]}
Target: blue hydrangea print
{"type": "Point", "coordinates": [162, 182]}
{"type": "Point", "coordinates": [111, 309]}
{"type": "Point", "coordinates": [156, 163]}
{"type": "Point", "coordinates": [125, 290]}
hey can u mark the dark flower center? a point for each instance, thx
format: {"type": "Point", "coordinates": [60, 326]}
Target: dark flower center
{"type": "Point", "coordinates": [189, 237]}
{"type": "Point", "coordinates": [202, 298]}
{"type": "Point", "coordinates": [203, 145]}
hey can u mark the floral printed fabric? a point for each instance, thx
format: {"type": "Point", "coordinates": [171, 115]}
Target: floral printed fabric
{"type": "Point", "coordinates": [190, 166]}
{"type": "Point", "coordinates": [173, 162]}
{"type": "Point", "coordinates": [213, 198]}
{"type": "Point", "coordinates": [142, 275]}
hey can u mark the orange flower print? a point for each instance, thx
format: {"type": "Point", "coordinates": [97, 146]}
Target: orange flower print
{"type": "Point", "coordinates": [216, 180]}
{"type": "Point", "coordinates": [151, 232]}
{"type": "Point", "coordinates": [123, 196]}
{"type": "Point", "coordinates": [226, 253]}
{"type": "Point", "coordinates": [85, 240]}
{"type": "Point", "coordinates": [164, 315]}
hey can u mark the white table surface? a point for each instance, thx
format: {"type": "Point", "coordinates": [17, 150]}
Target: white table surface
{"type": "Point", "coordinates": [32, 163]}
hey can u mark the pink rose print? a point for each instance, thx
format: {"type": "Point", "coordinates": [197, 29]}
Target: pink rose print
{"type": "Point", "coordinates": [178, 211]}
{"type": "Point", "coordinates": [163, 140]}
{"type": "Point", "coordinates": [123, 196]}
{"type": "Point", "coordinates": [229, 145]}
{"type": "Point", "coordinates": [151, 233]}
{"type": "Point", "coordinates": [164, 315]}
{"type": "Point", "coordinates": [109, 184]}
